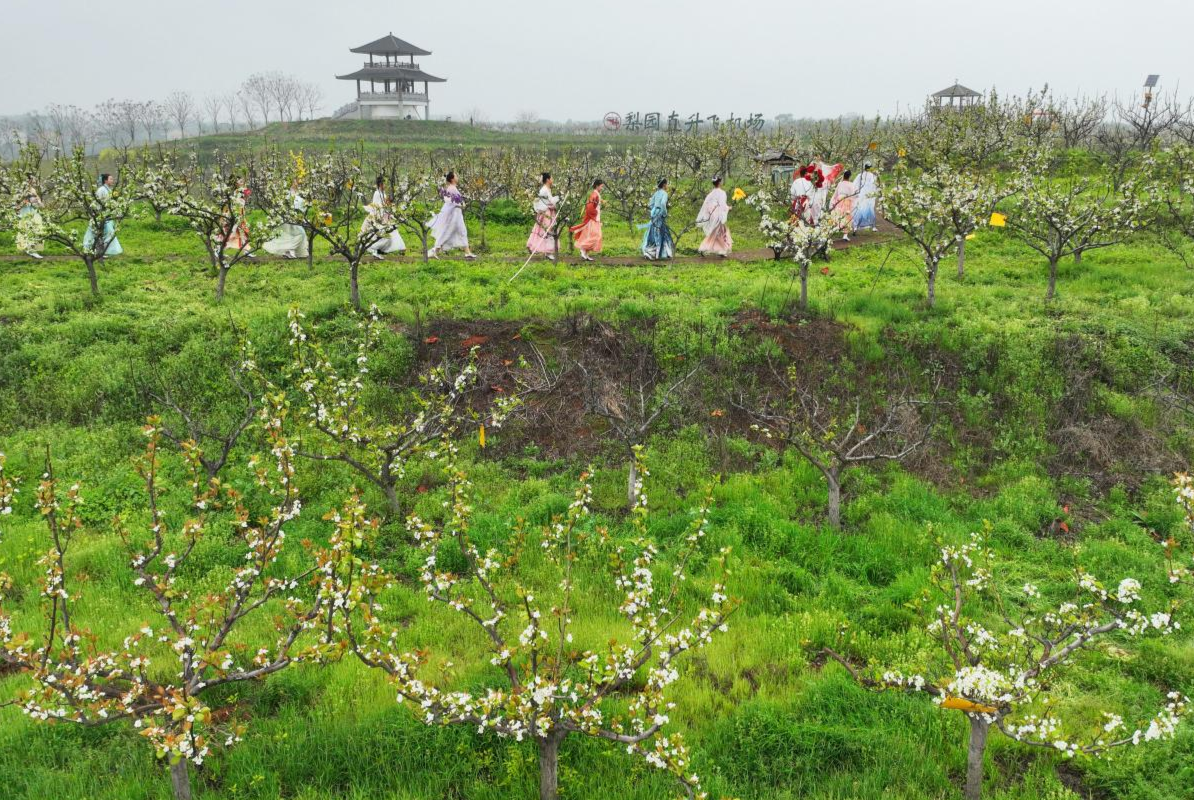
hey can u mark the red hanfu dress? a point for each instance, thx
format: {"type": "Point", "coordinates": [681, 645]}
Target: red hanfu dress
{"type": "Point", "coordinates": [587, 235]}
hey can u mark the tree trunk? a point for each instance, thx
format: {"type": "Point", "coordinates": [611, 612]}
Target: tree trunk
{"type": "Point", "coordinates": [974, 757]}
{"type": "Point", "coordinates": [311, 251]}
{"type": "Point", "coordinates": [220, 280]}
{"type": "Point", "coordinates": [1077, 256]}
{"type": "Point", "coordinates": [91, 274]}
{"type": "Point", "coordinates": [354, 289]}
{"type": "Point", "coordinates": [180, 780]}
{"type": "Point", "coordinates": [804, 288]}
{"type": "Point", "coordinates": [962, 259]}
{"type": "Point", "coordinates": [483, 244]}
{"type": "Point", "coordinates": [632, 484]}
{"type": "Point", "coordinates": [932, 298]}
{"type": "Point", "coordinates": [834, 484]}
{"type": "Point", "coordinates": [423, 239]}
{"type": "Point", "coordinates": [1052, 279]}
{"type": "Point", "coordinates": [395, 504]}
{"type": "Point", "coordinates": [549, 766]}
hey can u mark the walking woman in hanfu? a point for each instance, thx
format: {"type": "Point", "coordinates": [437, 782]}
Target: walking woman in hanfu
{"type": "Point", "coordinates": [864, 206]}
{"type": "Point", "coordinates": [712, 219]}
{"type": "Point", "coordinates": [657, 242]}
{"type": "Point", "coordinates": [236, 236]}
{"type": "Point", "coordinates": [542, 240]}
{"type": "Point", "coordinates": [842, 204]}
{"type": "Point", "coordinates": [587, 235]}
{"type": "Point", "coordinates": [801, 194]}
{"type": "Point", "coordinates": [290, 241]}
{"type": "Point", "coordinates": [30, 227]}
{"type": "Point", "coordinates": [111, 245]}
{"type": "Point", "coordinates": [381, 221]}
{"type": "Point", "coordinates": [447, 227]}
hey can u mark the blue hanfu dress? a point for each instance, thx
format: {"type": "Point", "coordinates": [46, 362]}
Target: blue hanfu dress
{"type": "Point", "coordinates": [657, 242]}
{"type": "Point", "coordinates": [866, 187]}
{"type": "Point", "coordinates": [112, 247]}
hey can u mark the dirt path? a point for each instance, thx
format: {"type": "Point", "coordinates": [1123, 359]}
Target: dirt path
{"type": "Point", "coordinates": [886, 233]}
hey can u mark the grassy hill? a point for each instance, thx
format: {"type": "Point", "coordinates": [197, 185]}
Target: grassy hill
{"type": "Point", "coordinates": [388, 134]}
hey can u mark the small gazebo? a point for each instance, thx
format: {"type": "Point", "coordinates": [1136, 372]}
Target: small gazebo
{"type": "Point", "coordinates": [782, 164]}
{"type": "Point", "coordinates": [956, 96]}
{"type": "Point", "coordinates": [394, 79]}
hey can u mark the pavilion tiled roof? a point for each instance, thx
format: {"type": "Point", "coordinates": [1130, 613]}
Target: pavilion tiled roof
{"type": "Point", "coordinates": [957, 90]}
{"type": "Point", "coordinates": [391, 45]}
{"type": "Point", "coordinates": [393, 72]}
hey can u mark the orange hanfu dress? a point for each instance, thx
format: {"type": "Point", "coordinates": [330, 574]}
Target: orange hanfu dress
{"type": "Point", "coordinates": [587, 235]}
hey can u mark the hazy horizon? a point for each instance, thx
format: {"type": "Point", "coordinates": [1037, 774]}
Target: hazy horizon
{"type": "Point", "coordinates": [573, 62]}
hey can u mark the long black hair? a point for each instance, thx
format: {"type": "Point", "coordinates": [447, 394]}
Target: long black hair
{"type": "Point", "coordinates": [546, 177]}
{"type": "Point", "coordinates": [448, 178]}
{"type": "Point", "coordinates": [662, 183]}
{"type": "Point", "coordinates": [381, 179]}
{"type": "Point", "coordinates": [717, 181]}
{"type": "Point", "coordinates": [598, 182]}
{"type": "Point", "coordinates": [104, 177]}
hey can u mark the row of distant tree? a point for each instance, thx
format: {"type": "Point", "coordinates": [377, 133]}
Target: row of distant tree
{"type": "Point", "coordinates": [263, 97]}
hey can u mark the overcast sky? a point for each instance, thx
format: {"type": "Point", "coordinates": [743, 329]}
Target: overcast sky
{"type": "Point", "coordinates": [572, 59]}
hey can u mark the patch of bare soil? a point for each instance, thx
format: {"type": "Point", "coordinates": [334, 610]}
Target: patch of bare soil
{"type": "Point", "coordinates": [1094, 444]}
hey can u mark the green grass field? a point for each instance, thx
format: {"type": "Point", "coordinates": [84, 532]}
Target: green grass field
{"type": "Point", "coordinates": [1049, 405]}
{"type": "Point", "coordinates": [375, 135]}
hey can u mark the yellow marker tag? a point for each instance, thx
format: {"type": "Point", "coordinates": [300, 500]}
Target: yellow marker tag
{"type": "Point", "coordinates": [962, 704]}
{"type": "Point", "coordinates": [738, 194]}
{"type": "Point", "coordinates": [998, 220]}
{"type": "Point", "coordinates": [481, 436]}
{"type": "Point", "coordinates": [971, 236]}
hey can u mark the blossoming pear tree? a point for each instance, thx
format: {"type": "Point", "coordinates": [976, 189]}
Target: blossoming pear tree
{"type": "Point", "coordinates": [803, 241]}
{"type": "Point", "coordinates": [415, 201]}
{"type": "Point", "coordinates": [71, 208]}
{"type": "Point", "coordinates": [544, 685]}
{"type": "Point", "coordinates": [483, 176]}
{"type": "Point", "coordinates": [339, 188]}
{"type": "Point", "coordinates": [212, 199]}
{"type": "Point", "coordinates": [630, 177]}
{"type": "Point", "coordinates": [1067, 216]}
{"type": "Point", "coordinates": [280, 189]}
{"type": "Point", "coordinates": [1003, 677]}
{"type": "Point", "coordinates": [160, 678]}
{"type": "Point", "coordinates": [160, 176]}
{"type": "Point", "coordinates": [1172, 181]}
{"type": "Point", "coordinates": [932, 207]}
{"type": "Point", "coordinates": [341, 426]}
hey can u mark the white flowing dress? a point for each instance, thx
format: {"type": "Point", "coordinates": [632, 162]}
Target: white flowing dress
{"type": "Point", "coordinates": [392, 241]}
{"type": "Point", "coordinates": [290, 238]}
{"type": "Point", "coordinates": [447, 227]}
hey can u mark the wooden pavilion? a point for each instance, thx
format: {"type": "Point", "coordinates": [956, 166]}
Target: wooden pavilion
{"type": "Point", "coordinates": [956, 97]}
{"type": "Point", "coordinates": [397, 85]}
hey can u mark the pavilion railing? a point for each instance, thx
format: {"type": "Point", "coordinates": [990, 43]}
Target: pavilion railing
{"type": "Point", "coordinates": [413, 97]}
{"type": "Point", "coordinates": [391, 65]}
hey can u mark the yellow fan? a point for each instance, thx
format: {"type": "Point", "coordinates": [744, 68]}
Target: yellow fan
{"type": "Point", "coordinates": [738, 194]}
{"type": "Point", "coordinates": [998, 220]}
{"type": "Point", "coordinates": [962, 704]}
